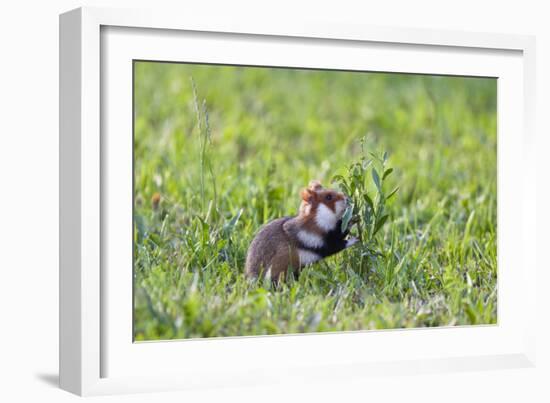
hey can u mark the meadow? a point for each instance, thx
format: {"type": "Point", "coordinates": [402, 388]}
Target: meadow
{"type": "Point", "coordinates": [220, 150]}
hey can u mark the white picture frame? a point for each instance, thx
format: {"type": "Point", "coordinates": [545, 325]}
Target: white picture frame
{"type": "Point", "coordinates": [96, 354]}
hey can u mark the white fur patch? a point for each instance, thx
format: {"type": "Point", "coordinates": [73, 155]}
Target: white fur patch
{"type": "Point", "coordinates": [325, 218]}
{"type": "Point", "coordinates": [307, 257]}
{"type": "Point", "coordinates": [310, 239]}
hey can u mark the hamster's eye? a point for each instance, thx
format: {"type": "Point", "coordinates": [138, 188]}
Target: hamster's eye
{"type": "Point", "coordinates": [328, 197]}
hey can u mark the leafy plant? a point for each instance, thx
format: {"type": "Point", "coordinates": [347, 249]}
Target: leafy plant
{"type": "Point", "coordinates": [364, 183]}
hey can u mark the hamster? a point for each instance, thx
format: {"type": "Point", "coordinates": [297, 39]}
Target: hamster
{"type": "Point", "coordinates": [290, 243]}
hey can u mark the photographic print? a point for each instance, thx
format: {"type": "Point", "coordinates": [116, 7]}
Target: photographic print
{"type": "Point", "coordinates": [286, 200]}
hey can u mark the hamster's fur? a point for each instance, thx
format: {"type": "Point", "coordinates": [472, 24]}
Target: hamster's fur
{"type": "Point", "coordinates": [294, 242]}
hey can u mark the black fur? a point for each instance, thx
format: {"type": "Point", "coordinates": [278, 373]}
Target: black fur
{"type": "Point", "coordinates": [334, 242]}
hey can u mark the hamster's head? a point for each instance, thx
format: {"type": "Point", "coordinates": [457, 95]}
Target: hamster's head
{"type": "Point", "coordinates": [325, 206]}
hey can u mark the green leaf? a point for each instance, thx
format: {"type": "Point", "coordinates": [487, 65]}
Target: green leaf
{"type": "Point", "coordinates": [345, 188]}
{"type": "Point", "coordinates": [470, 313]}
{"type": "Point", "coordinates": [338, 178]}
{"type": "Point", "coordinates": [140, 228]}
{"type": "Point", "coordinates": [357, 174]}
{"type": "Point", "coordinates": [376, 157]}
{"type": "Point", "coordinates": [367, 215]}
{"type": "Point", "coordinates": [368, 200]}
{"type": "Point", "coordinates": [346, 218]}
{"type": "Point", "coordinates": [379, 224]}
{"type": "Point", "coordinates": [394, 191]}
{"type": "Point", "coordinates": [387, 173]}
{"type": "Point", "coordinates": [228, 227]}
{"type": "Point", "coordinates": [376, 179]}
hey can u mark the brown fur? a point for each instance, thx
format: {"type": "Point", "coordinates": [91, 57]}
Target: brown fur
{"type": "Point", "coordinates": [271, 249]}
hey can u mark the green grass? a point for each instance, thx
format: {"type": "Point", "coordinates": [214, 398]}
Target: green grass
{"type": "Point", "coordinates": [233, 153]}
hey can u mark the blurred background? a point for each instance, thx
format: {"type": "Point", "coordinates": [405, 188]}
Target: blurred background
{"type": "Point", "coordinates": [221, 150]}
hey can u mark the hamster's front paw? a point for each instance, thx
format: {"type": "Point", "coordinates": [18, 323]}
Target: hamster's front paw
{"type": "Point", "coordinates": [351, 241]}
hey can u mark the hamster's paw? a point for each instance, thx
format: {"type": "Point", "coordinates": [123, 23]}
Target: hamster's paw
{"type": "Point", "coordinates": [351, 241]}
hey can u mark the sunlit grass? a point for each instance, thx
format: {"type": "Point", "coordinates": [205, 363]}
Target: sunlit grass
{"type": "Point", "coordinates": [215, 163]}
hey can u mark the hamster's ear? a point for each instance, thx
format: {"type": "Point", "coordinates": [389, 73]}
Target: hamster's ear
{"type": "Point", "coordinates": [315, 185]}
{"type": "Point", "coordinates": [308, 195]}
